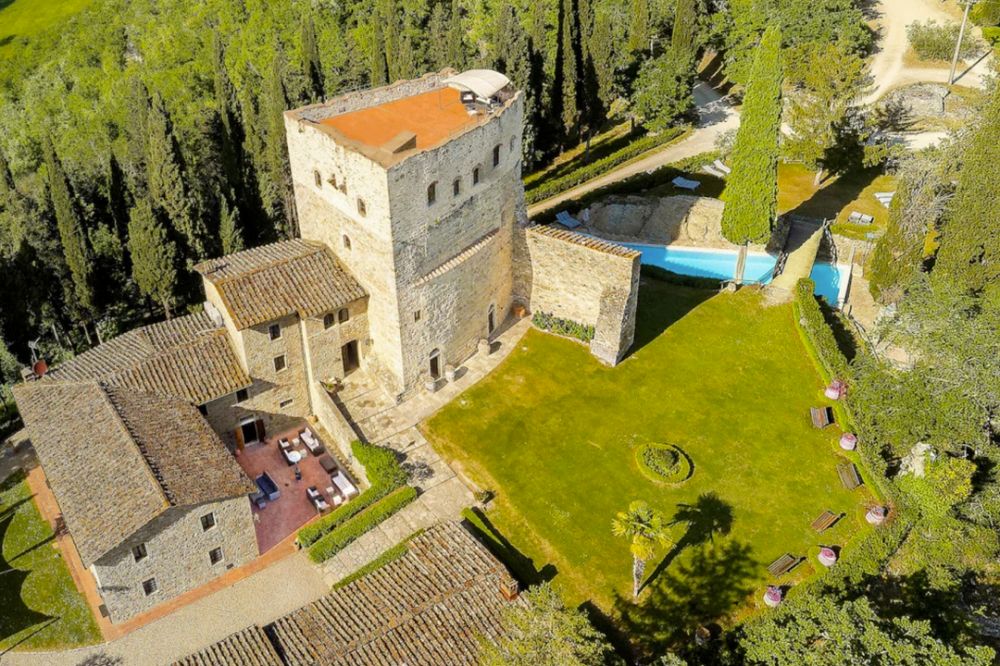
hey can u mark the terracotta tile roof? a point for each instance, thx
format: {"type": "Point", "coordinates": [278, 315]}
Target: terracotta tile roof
{"type": "Point", "coordinates": [116, 458]}
{"type": "Point", "coordinates": [249, 647]}
{"type": "Point", "coordinates": [591, 242]}
{"type": "Point", "coordinates": [425, 609]}
{"type": "Point", "coordinates": [188, 357]}
{"type": "Point", "coordinates": [273, 281]}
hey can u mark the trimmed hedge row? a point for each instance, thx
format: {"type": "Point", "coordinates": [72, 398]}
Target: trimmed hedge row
{"type": "Point", "coordinates": [566, 327]}
{"type": "Point", "coordinates": [550, 188]}
{"type": "Point", "coordinates": [813, 323]}
{"type": "Point", "coordinates": [385, 475]}
{"type": "Point", "coordinates": [336, 540]}
{"type": "Point", "coordinates": [390, 555]}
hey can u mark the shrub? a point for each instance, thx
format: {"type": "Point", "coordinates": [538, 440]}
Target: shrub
{"type": "Point", "coordinates": [390, 555]}
{"type": "Point", "coordinates": [819, 336]}
{"type": "Point", "coordinates": [336, 540]}
{"type": "Point", "coordinates": [550, 188]}
{"type": "Point", "coordinates": [385, 475]}
{"type": "Point", "coordinates": [565, 327]}
{"type": "Point", "coordinates": [663, 463]}
{"type": "Point", "coordinates": [933, 41]}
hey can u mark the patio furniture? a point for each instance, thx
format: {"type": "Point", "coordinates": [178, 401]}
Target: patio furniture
{"type": "Point", "coordinates": [712, 171]}
{"type": "Point", "coordinates": [849, 476]}
{"type": "Point", "coordinates": [291, 456]}
{"type": "Point", "coordinates": [825, 521]}
{"type": "Point", "coordinates": [335, 496]}
{"type": "Point", "coordinates": [820, 416]}
{"type": "Point", "coordinates": [783, 565]}
{"type": "Point", "coordinates": [327, 463]}
{"type": "Point", "coordinates": [686, 183]}
{"type": "Point", "coordinates": [283, 444]}
{"type": "Point", "coordinates": [567, 220]}
{"type": "Point", "coordinates": [314, 446]}
{"type": "Point", "coordinates": [720, 165]}
{"type": "Point", "coordinates": [268, 487]}
{"type": "Point", "coordinates": [344, 484]}
{"type": "Point", "coordinates": [317, 499]}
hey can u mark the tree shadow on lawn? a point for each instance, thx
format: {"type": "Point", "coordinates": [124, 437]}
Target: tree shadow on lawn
{"type": "Point", "coordinates": [713, 583]}
{"type": "Point", "coordinates": [15, 616]}
{"type": "Point", "coordinates": [829, 200]}
{"type": "Point", "coordinates": [661, 305]}
{"type": "Point", "coordinates": [708, 516]}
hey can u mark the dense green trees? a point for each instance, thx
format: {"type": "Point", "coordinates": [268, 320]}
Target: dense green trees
{"type": "Point", "coordinates": [751, 193]}
{"type": "Point", "coordinates": [153, 256]}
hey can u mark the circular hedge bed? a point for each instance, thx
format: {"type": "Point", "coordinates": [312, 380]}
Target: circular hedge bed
{"type": "Point", "coordinates": [664, 463]}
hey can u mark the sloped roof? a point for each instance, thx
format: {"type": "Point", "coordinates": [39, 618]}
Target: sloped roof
{"type": "Point", "coordinates": [249, 647]}
{"type": "Point", "coordinates": [189, 358]}
{"type": "Point", "coordinates": [116, 458]}
{"type": "Point", "coordinates": [583, 240]}
{"type": "Point", "coordinates": [425, 609]}
{"type": "Point", "coordinates": [276, 280]}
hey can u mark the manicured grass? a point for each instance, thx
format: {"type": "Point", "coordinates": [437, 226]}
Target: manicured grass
{"type": "Point", "coordinates": [40, 607]}
{"type": "Point", "coordinates": [20, 20]}
{"type": "Point", "coordinates": [837, 197]}
{"type": "Point", "coordinates": [552, 431]}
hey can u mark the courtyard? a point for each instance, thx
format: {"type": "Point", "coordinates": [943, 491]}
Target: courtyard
{"type": "Point", "coordinates": [553, 433]}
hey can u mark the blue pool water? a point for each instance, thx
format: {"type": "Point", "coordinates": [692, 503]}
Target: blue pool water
{"type": "Point", "coordinates": [830, 279]}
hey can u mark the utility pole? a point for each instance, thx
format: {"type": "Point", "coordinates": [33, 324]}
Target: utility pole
{"type": "Point", "coordinates": [958, 45]}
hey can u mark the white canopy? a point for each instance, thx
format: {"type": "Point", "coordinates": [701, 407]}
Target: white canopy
{"type": "Point", "coordinates": [484, 82]}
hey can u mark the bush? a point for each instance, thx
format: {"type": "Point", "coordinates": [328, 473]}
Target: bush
{"type": "Point", "coordinates": [336, 540]}
{"type": "Point", "coordinates": [662, 274]}
{"type": "Point", "coordinates": [663, 463]}
{"type": "Point", "coordinates": [550, 188]}
{"type": "Point", "coordinates": [932, 41]}
{"type": "Point", "coordinates": [570, 329]}
{"type": "Point", "coordinates": [390, 555]}
{"type": "Point", "coordinates": [819, 336]}
{"type": "Point", "coordinates": [385, 475]}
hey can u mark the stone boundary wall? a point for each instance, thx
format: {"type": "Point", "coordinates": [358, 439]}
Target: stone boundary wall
{"type": "Point", "coordinates": [580, 278]}
{"type": "Point", "coordinates": [332, 419]}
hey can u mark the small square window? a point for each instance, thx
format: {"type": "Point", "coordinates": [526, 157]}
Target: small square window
{"type": "Point", "coordinates": [274, 331]}
{"type": "Point", "coordinates": [242, 395]}
{"type": "Point", "coordinates": [139, 552]}
{"type": "Point", "coordinates": [279, 363]}
{"type": "Point", "coordinates": [416, 315]}
{"type": "Point", "coordinates": [215, 555]}
{"type": "Point", "coordinates": [286, 403]}
{"type": "Point", "coordinates": [207, 522]}
{"type": "Point", "coordinates": [343, 315]}
{"type": "Point", "coordinates": [362, 208]}
{"type": "Point", "coordinates": [329, 320]}
{"type": "Point", "coordinates": [149, 586]}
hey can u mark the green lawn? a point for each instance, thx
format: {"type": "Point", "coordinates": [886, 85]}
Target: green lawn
{"type": "Point", "coordinates": [552, 431]}
{"type": "Point", "coordinates": [40, 607]}
{"type": "Point", "coordinates": [20, 20]}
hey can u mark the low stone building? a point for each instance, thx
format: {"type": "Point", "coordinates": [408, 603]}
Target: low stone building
{"type": "Point", "coordinates": [427, 608]}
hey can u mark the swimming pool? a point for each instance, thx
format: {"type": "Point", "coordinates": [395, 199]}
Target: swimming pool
{"type": "Point", "coordinates": [831, 280]}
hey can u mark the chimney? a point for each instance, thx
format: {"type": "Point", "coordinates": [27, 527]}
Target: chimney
{"type": "Point", "coordinates": [40, 368]}
{"type": "Point", "coordinates": [509, 588]}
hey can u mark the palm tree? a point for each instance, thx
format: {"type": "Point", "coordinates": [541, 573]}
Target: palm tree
{"type": "Point", "coordinates": [644, 526]}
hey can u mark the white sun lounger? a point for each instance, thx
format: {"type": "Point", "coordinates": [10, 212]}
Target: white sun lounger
{"type": "Point", "coordinates": [685, 183]}
{"type": "Point", "coordinates": [567, 220]}
{"type": "Point", "coordinates": [722, 167]}
{"type": "Point", "coordinates": [344, 484]}
{"type": "Point", "coordinates": [712, 171]}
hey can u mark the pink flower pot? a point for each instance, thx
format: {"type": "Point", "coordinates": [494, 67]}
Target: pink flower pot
{"type": "Point", "coordinates": [773, 596]}
{"type": "Point", "coordinates": [876, 515]}
{"type": "Point", "coordinates": [848, 441]}
{"type": "Point", "coordinates": [827, 557]}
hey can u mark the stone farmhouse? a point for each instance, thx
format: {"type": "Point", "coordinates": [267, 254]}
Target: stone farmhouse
{"type": "Point", "coordinates": [414, 250]}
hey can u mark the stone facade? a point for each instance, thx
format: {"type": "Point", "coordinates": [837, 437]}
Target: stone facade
{"type": "Point", "coordinates": [434, 270]}
{"type": "Point", "coordinates": [582, 279]}
{"type": "Point", "coordinates": [177, 555]}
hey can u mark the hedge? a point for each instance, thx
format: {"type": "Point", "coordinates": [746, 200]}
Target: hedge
{"type": "Point", "coordinates": [336, 540]}
{"type": "Point", "coordinates": [566, 327]}
{"type": "Point", "coordinates": [820, 336]}
{"type": "Point", "coordinates": [550, 188]}
{"type": "Point", "coordinates": [663, 463]}
{"type": "Point", "coordinates": [385, 475]}
{"type": "Point", "coordinates": [390, 555]}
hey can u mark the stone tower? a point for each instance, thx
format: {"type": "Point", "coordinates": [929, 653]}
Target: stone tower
{"type": "Point", "coordinates": [416, 187]}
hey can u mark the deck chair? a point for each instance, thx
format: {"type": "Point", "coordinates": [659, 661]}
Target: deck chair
{"type": "Point", "coordinates": [567, 220]}
{"type": "Point", "coordinates": [820, 416]}
{"type": "Point", "coordinates": [686, 183]}
{"type": "Point", "coordinates": [720, 165]}
{"type": "Point", "coordinates": [782, 565]}
{"type": "Point", "coordinates": [825, 521]}
{"type": "Point", "coordinates": [849, 476]}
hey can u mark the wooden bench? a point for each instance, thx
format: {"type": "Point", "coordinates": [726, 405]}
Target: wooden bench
{"type": "Point", "coordinates": [783, 565]}
{"type": "Point", "coordinates": [820, 416]}
{"type": "Point", "coordinates": [849, 475]}
{"type": "Point", "coordinates": [825, 521]}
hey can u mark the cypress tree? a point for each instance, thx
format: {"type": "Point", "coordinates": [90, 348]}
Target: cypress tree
{"type": "Point", "coordinates": [751, 193]}
{"type": "Point", "coordinates": [682, 37]}
{"type": "Point", "coordinates": [166, 183]}
{"type": "Point", "coordinates": [229, 228]}
{"type": "Point", "coordinates": [569, 34]}
{"type": "Point", "coordinates": [457, 56]}
{"type": "Point", "coordinates": [276, 185]}
{"type": "Point", "coordinates": [311, 63]}
{"type": "Point", "coordinates": [71, 234]}
{"type": "Point", "coordinates": [969, 256]}
{"type": "Point", "coordinates": [639, 25]}
{"type": "Point", "coordinates": [153, 254]}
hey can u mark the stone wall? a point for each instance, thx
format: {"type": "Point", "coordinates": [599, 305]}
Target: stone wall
{"type": "Point", "coordinates": [177, 555]}
{"type": "Point", "coordinates": [582, 279]}
{"type": "Point", "coordinates": [330, 416]}
{"type": "Point", "coordinates": [681, 220]}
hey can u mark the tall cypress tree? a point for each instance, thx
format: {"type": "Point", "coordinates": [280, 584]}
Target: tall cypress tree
{"type": "Point", "coordinates": [153, 254]}
{"type": "Point", "coordinates": [682, 38]}
{"type": "Point", "coordinates": [230, 235]}
{"type": "Point", "coordinates": [751, 193]}
{"type": "Point", "coordinates": [71, 233]}
{"type": "Point", "coordinates": [639, 25]}
{"type": "Point", "coordinates": [311, 63]}
{"type": "Point", "coordinates": [969, 256]}
{"type": "Point", "coordinates": [276, 184]}
{"type": "Point", "coordinates": [166, 182]}
{"type": "Point", "coordinates": [569, 34]}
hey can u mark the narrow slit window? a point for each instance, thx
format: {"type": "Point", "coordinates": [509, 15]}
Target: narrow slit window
{"type": "Point", "coordinates": [431, 194]}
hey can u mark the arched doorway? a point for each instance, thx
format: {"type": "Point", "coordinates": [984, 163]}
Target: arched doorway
{"type": "Point", "coordinates": [491, 320]}
{"type": "Point", "coordinates": [435, 364]}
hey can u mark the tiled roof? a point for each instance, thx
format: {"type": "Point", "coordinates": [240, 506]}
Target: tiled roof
{"type": "Point", "coordinates": [116, 458]}
{"type": "Point", "coordinates": [584, 240]}
{"type": "Point", "coordinates": [425, 609]}
{"type": "Point", "coordinates": [188, 357]}
{"type": "Point", "coordinates": [249, 647]}
{"type": "Point", "coordinates": [273, 281]}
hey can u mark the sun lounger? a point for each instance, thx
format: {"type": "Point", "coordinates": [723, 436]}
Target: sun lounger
{"type": "Point", "coordinates": [686, 183]}
{"type": "Point", "coordinates": [344, 484]}
{"type": "Point", "coordinates": [712, 171]}
{"type": "Point", "coordinates": [820, 416]}
{"type": "Point", "coordinates": [825, 521]}
{"type": "Point", "coordinates": [849, 476]}
{"type": "Point", "coordinates": [782, 565]}
{"type": "Point", "coordinates": [567, 220]}
{"type": "Point", "coordinates": [718, 164]}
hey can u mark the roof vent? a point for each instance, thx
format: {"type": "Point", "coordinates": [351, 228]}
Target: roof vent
{"type": "Point", "coordinates": [509, 588]}
{"type": "Point", "coordinates": [403, 141]}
